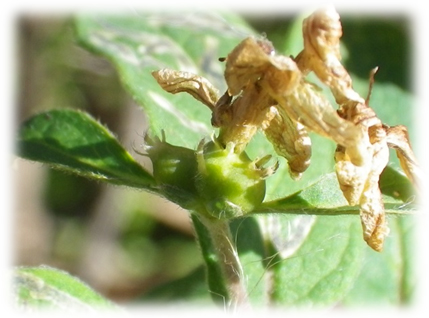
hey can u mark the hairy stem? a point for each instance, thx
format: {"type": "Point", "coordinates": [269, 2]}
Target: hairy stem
{"type": "Point", "coordinates": [225, 274]}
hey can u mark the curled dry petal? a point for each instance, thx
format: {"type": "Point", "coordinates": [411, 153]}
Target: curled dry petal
{"type": "Point", "coordinates": [322, 32]}
{"type": "Point", "coordinates": [252, 60]}
{"type": "Point", "coordinates": [397, 138]}
{"type": "Point", "coordinates": [309, 107]}
{"type": "Point", "coordinates": [373, 219]}
{"type": "Point", "coordinates": [177, 81]}
{"type": "Point", "coordinates": [372, 209]}
{"type": "Point", "coordinates": [360, 186]}
{"type": "Point", "coordinates": [244, 116]}
{"type": "Point", "coordinates": [291, 141]}
{"type": "Point", "coordinates": [351, 178]}
{"type": "Point", "coordinates": [246, 63]}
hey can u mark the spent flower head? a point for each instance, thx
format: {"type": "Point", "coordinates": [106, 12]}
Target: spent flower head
{"type": "Point", "coordinates": [270, 92]}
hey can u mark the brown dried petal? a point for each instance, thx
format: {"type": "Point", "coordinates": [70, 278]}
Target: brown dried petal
{"type": "Point", "coordinates": [291, 141]}
{"type": "Point", "coordinates": [373, 219]}
{"type": "Point", "coordinates": [372, 209]}
{"type": "Point", "coordinates": [351, 178]}
{"type": "Point", "coordinates": [246, 63]}
{"type": "Point", "coordinates": [360, 186]}
{"type": "Point", "coordinates": [322, 32]}
{"type": "Point", "coordinates": [250, 61]}
{"type": "Point", "coordinates": [282, 76]}
{"type": "Point", "coordinates": [246, 114]}
{"type": "Point", "coordinates": [397, 138]}
{"type": "Point", "coordinates": [177, 81]}
{"type": "Point", "coordinates": [310, 108]}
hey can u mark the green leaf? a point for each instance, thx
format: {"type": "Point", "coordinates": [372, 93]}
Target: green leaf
{"type": "Point", "coordinates": [388, 278]}
{"type": "Point", "coordinates": [396, 186]}
{"type": "Point", "coordinates": [192, 288]}
{"type": "Point", "coordinates": [315, 259]}
{"type": "Point", "coordinates": [320, 258]}
{"type": "Point", "coordinates": [141, 43]}
{"type": "Point", "coordinates": [45, 287]}
{"type": "Point", "coordinates": [75, 142]}
{"type": "Point", "coordinates": [324, 197]}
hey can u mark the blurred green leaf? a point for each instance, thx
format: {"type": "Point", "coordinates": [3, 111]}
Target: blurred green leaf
{"type": "Point", "coordinates": [69, 195]}
{"type": "Point", "coordinates": [73, 141]}
{"type": "Point", "coordinates": [375, 40]}
{"type": "Point", "coordinates": [49, 288]}
{"type": "Point", "coordinates": [191, 288]}
{"type": "Point", "coordinates": [294, 40]}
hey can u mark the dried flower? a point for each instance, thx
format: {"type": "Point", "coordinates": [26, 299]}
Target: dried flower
{"type": "Point", "coordinates": [270, 92]}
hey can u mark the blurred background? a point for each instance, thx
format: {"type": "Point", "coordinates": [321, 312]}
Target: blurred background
{"type": "Point", "coordinates": [124, 243]}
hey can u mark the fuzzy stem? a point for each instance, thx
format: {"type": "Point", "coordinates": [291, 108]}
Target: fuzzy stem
{"type": "Point", "coordinates": [227, 260]}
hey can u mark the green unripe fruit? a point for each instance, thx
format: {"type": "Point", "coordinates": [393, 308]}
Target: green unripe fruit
{"type": "Point", "coordinates": [213, 181]}
{"type": "Point", "coordinates": [230, 184]}
{"type": "Point", "coordinates": [174, 170]}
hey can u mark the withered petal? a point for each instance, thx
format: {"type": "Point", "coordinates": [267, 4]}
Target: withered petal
{"type": "Point", "coordinates": [178, 81]}
{"type": "Point", "coordinates": [246, 63]}
{"type": "Point", "coordinates": [397, 138]}
{"type": "Point", "coordinates": [360, 187]}
{"type": "Point", "coordinates": [351, 178]}
{"type": "Point", "coordinates": [245, 115]}
{"type": "Point", "coordinates": [310, 108]}
{"type": "Point", "coordinates": [290, 140]}
{"type": "Point", "coordinates": [322, 32]}
{"type": "Point", "coordinates": [373, 219]}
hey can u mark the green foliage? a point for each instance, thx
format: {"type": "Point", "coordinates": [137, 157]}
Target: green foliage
{"type": "Point", "coordinates": [303, 245]}
{"type": "Point", "coordinates": [192, 286]}
{"type": "Point", "coordinates": [45, 287]}
{"type": "Point", "coordinates": [75, 142]}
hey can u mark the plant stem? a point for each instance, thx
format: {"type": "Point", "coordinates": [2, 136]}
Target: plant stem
{"type": "Point", "coordinates": [227, 261]}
